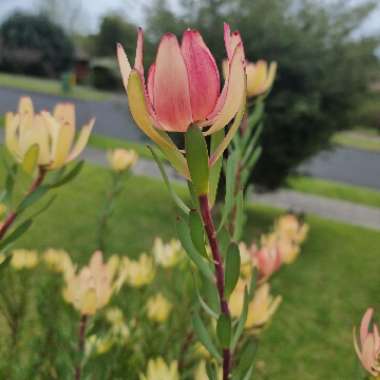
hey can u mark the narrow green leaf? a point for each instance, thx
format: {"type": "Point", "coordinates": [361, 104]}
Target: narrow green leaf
{"type": "Point", "coordinates": [32, 198]}
{"type": "Point", "coordinates": [15, 234]}
{"type": "Point", "coordinates": [183, 232]}
{"type": "Point", "coordinates": [71, 175]}
{"type": "Point", "coordinates": [232, 270]}
{"type": "Point", "coordinates": [216, 169]}
{"type": "Point", "coordinates": [206, 307]}
{"type": "Point", "coordinates": [197, 232]}
{"type": "Point", "coordinates": [240, 216]}
{"type": "Point", "coordinates": [175, 198]}
{"type": "Point", "coordinates": [243, 318]}
{"type": "Point", "coordinates": [232, 164]}
{"type": "Point", "coordinates": [30, 160]}
{"type": "Point", "coordinates": [211, 295]}
{"type": "Point", "coordinates": [212, 372]}
{"type": "Point", "coordinates": [197, 159]}
{"type": "Point", "coordinates": [223, 329]}
{"type": "Point", "coordinates": [252, 143]}
{"type": "Point", "coordinates": [247, 357]}
{"type": "Point", "coordinates": [5, 262]}
{"type": "Point", "coordinates": [204, 337]}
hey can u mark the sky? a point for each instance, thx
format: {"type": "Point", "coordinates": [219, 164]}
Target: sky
{"type": "Point", "coordinates": [92, 11]}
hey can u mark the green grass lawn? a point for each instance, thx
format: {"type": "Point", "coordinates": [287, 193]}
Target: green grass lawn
{"type": "Point", "coordinates": [363, 139]}
{"type": "Point", "coordinates": [50, 87]}
{"type": "Point", "coordinates": [325, 291]}
{"type": "Point", "coordinates": [335, 190]}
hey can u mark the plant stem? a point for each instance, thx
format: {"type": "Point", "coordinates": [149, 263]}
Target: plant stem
{"type": "Point", "coordinates": [219, 272]}
{"type": "Point", "coordinates": [13, 215]}
{"type": "Point", "coordinates": [81, 342]}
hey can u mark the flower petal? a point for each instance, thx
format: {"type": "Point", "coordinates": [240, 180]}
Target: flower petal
{"type": "Point", "coordinates": [11, 140]}
{"type": "Point", "coordinates": [139, 66]}
{"type": "Point", "coordinates": [231, 40]}
{"type": "Point", "coordinates": [256, 77]}
{"type": "Point", "coordinates": [124, 65]}
{"type": "Point", "coordinates": [65, 113]}
{"type": "Point", "coordinates": [364, 325]}
{"type": "Point", "coordinates": [82, 140]}
{"type": "Point", "coordinates": [151, 73]}
{"type": "Point", "coordinates": [203, 74]}
{"type": "Point", "coordinates": [235, 92]}
{"type": "Point", "coordinates": [171, 86]}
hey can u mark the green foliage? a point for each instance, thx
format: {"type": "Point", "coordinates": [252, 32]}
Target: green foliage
{"type": "Point", "coordinates": [320, 57]}
{"type": "Point", "coordinates": [34, 45]}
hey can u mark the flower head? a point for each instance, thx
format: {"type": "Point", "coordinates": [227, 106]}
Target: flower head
{"type": "Point", "coordinates": [159, 370]}
{"type": "Point", "coordinates": [121, 160]}
{"type": "Point", "coordinates": [24, 259]}
{"type": "Point", "coordinates": [292, 228]}
{"type": "Point", "coordinates": [56, 260]}
{"type": "Point", "coordinates": [169, 254]}
{"type": "Point", "coordinates": [137, 273]}
{"type": "Point", "coordinates": [52, 136]}
{"type": "Point", "coordinates": [261, 308]}
{"type": "Point", "coordinates": [158, 308]}
{"type": "Point", "coordinates": [367, 346]}
{"type": "Point", "coordinates": [91, 288]}
{"type": "Point", "coordinates": [260, 77]}
{"type": "Point", "coordinates": [183, 85]}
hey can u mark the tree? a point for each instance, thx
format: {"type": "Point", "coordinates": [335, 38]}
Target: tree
{"type": "Point", "coordinates": [321, 76]}
{"type": "Point", "coordinates": [34, 45]}
{"type": "Point", "coordinates": [114, 29]}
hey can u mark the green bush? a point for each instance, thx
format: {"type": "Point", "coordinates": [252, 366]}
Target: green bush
{"type": "Point", "coordinates": [34, 45]}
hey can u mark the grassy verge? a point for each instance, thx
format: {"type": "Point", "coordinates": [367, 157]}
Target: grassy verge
{"type": "Point", "coordinates": [324, 292]}
{"type": "Point", "coordinates": [335, 190]}
{"type": "Point", "coordinates": [51, 87]}
{"type": "Point", "coordinates": [363, 139]}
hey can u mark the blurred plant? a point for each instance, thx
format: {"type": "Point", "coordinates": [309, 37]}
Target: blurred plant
{"type": "Point", "coordinates": [167, 255]}
{"type": "Point", "coordinates": [159, 370]}
{"type": "Point", "coordinates": [88, 291]}
{"type": "Point", "coordinates": [368, 347]}
{"type": "Point", "coordinates": [120, 161]}
{"type": "Point", "coordinates": [158, 308]}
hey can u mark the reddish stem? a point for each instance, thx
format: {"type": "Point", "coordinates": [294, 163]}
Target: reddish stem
{"type": "Point", "coordinates": [13, 215]}
{"type": "Point", "coordinates": [219, 272]}
{"type": "Point", "coordinates": [81, 342]}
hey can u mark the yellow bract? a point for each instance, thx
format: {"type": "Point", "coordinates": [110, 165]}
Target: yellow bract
{"type": "Point", "coordinates": [159, 370]}
{"type": "Point", "coordinates": [91, 288]}
{"type": "Point", "coordinates": [260, 77]}
{"type": "Point", "coordinates": [24, 259]}
{"type": "Point", "coordinates": [44, 139]}
{"type": "Point", "coordinates": [261, 308]}
{"type": "Point", "coordinates": [121, 159]}
{"type": "Point", "coordinates": [167, 255]}
{"type": "Point", "coordinates": [158, 308]}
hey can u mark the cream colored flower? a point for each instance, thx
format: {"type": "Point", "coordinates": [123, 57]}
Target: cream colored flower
{"type": "Point", "coordinates": [261, 308]}
{"type": "Point", "coordinates": [114, 315]}
{"type": "Point", "coordinates": [159, 370]}
{"type": "Point", "coordinates": [260, 77]}
{"type": "Point", "coordinates": [53, 135]}
{"type": "Point", "coordinates": [121, 159]}
{"type": "Point", "coordinates": [158, 308]}
{"type": "Point", "coordinates": [169, 254]}
{"type": "Point", "coordinates": [56, 259]}
{"type": "Point", "coordinates": [24, 259]}
{"type": "Point", "coordinates": [201, 373]}
{"type": "Point", "coordinates": [291, 227]}
{"type": "Point", "coordinates": [91, 288]}
{"type": "Point", "coordinates": [137, 273]}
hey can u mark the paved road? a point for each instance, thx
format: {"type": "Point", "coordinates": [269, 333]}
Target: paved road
{"type": "Point", "coordinates": [351, 166]}
{"type": "Point", "coordinates": [113, 119]}
{"type": "Point", "coordinates": [340, 211]}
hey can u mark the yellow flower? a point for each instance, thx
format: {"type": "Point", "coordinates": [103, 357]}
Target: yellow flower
{"type": "Point", "coordinates": [200, 350]}
{"type": "Point", "coordinates": [56, 259]}
{"type": "Point", "coordinates": [122, 159]}
{"type": "Point", "coordinates": [114, 316]}
{"type": "Point", "coordinates": [24, 259]}
{"type": "Point", "coordinates": [104, 344]}
{"type": "Point", "coordinates": [158, 308]}
{"type": "Point", "coordinates": [137, 273]}
{"type": "Point", "coordinates": [53, 135]}
{"type": "Point", "coordinates": [91, 288]}
{"type": "Point", "coordinates": [261, 308]}
{"type": "Point", "coordinates": [159, 370]}
{"type": "Point", "coordinates": [246, 258]}
{"type": "Point", "coordinates": [3, 210]}
{"type": "Point", "coordinates": [167, 255]}
{"type": "Point", "coordinates": [260, 77]}
{"type": "Point", "coordinates": [2, 258]}
{"type": "Point", "coordinates": [201, 373]}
